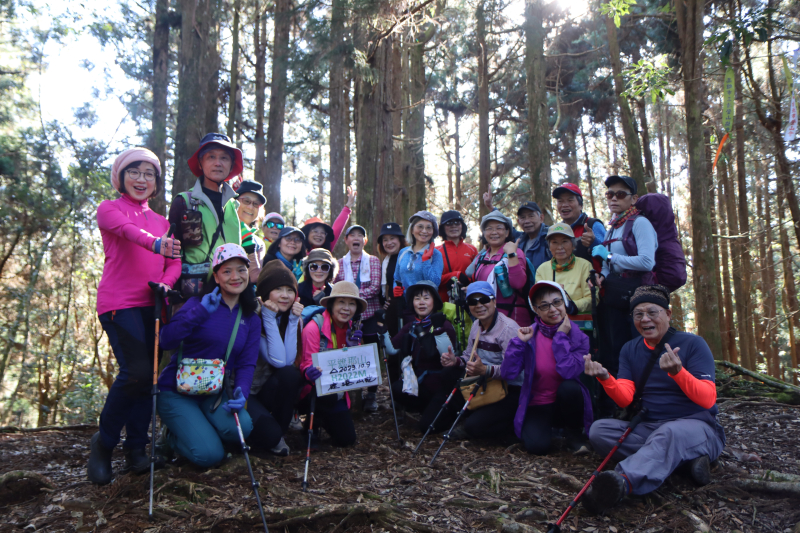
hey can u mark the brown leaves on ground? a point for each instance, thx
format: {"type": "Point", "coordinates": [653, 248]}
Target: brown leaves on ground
{"type": "Point", "coordinates": [379, 486]}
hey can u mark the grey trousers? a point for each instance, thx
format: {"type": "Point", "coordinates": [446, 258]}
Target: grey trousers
{"type": "Point", "coordinates": [655, 449]}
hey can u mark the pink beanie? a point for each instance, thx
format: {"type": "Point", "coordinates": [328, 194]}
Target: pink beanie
{"type": "Point", "coordinates": [132, 155]}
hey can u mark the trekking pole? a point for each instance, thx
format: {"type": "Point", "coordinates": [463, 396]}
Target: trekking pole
{"type": "Point", "coordinates": [310, 430]}
{"type": "Point", "coordinates": [593, 288]}
{"type": "Point", "coordinates": [430, 427]}
{"type": "Point", "coordinates": [556, 528]}
{"type": "Point", "coordinates": [381, 343]}
{"type": "Point", "coordinates": [446, 437]}
{"type": "Point", "coordinates": [255, 483]}
{"type": "Point", "coordinates": [159, 290]}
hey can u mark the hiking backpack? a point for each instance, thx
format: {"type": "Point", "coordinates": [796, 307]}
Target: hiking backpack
{"type": "Point", "coordinates": [670, 269]}
{"type": "Point", "coordinates": [314, 312]}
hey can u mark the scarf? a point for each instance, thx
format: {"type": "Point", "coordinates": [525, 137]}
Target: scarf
{"type": "Point", "coordinates": [363, 271]}
{"type": "Point", "coordinates": [565, 267]}
{"type": "Point", "coordinates": [548, 330]}
{"type": "Point", "coordinates": [425, 322]}
{"type": "Point", "coordinates": [295, 266]}
{"type": "Point", "coordinates": [623, 217]}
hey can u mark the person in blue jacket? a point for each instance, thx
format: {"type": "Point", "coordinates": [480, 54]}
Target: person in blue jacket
{"type": "Point", "coordinates": [533, 239]}
{"type": "Point", "coordinates": [420, 261]}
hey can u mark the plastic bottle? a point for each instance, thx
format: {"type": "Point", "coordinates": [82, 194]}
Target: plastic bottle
{"type": "Point", "coordinates": [501, 279]}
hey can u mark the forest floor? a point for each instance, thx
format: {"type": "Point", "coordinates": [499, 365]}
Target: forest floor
{"type": "Point", "coordinates": [378, 485]}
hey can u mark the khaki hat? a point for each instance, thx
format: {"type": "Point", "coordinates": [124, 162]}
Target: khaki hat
{"type": "Point", "coordinates": [560, 228]}
{"type": "Point", "coordinates": [346, 289]}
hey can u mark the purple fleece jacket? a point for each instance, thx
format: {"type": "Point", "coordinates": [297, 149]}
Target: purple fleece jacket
{"type": "Point", "coordinates": [568, 351]}
{"type": "Point", "coordinates": [206, 336]}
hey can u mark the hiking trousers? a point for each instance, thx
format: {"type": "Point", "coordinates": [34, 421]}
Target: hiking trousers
{"type": "Point", "coordinates": [272, 407]}
{"type": "Point", "coordinates": [655, 449]}
{"type": "Point", "coordinates": [566, 412]}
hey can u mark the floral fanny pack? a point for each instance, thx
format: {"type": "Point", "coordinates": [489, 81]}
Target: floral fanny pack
{"type": "Point", "coordinates": [197, 377]}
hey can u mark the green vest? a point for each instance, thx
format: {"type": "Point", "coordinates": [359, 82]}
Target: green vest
{"type": "Point", "coordinates": [230, 228]}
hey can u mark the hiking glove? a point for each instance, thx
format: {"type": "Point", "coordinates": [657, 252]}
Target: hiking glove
{"type": "Point", "coordinates": [235, 404]}
{"type": "Point", "coordinates": [600, 251]}
{"type": "Point", "coordinates": [355, 338]}
{"type": "Point", "coordinates": [211, 301]}
{"type": "Point", "coordinates": [248, 243]}
{"type": "Point", "coordinates": [398, 291]}
{"type": "Point", "coordinates": [313, 373]}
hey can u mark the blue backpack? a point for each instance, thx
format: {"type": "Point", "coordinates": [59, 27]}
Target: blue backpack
{"type": "Point", "coordinates": [314, 312]}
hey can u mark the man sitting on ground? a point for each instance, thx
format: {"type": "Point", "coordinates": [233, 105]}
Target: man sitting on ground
{"type": "Point", "coordinates": [679, 426]}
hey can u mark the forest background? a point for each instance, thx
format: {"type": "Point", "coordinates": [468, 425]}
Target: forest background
{"type": "Point", "coordinates": [415, 104]}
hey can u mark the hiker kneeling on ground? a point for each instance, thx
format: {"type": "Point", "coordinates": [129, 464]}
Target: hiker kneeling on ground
{"type": "Point", "coordinates": [213, 336]}
{"type": "Point", "coordinates": [551, 354]}
{"type": "Point", "coordinates": [679, 426]}
{"type": "Point", "coordinates": [423, 341]}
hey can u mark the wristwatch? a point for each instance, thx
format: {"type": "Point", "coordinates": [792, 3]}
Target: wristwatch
{"type": "Point", "coordinates": [512, 254]}
{"type": "Point", "coordinates": [610, 256]}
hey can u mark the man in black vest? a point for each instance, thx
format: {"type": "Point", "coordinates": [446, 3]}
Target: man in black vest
{"type": "Point", "coordinates": [590, 231]}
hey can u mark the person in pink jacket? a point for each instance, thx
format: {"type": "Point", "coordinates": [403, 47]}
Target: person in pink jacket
{"type": "Point", "coordinates": [137, 251]}
{"type": "Point", "coordinates": [321, 235]}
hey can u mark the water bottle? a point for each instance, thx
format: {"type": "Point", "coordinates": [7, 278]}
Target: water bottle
{"type": "Point", "coordinates": [501, 279]}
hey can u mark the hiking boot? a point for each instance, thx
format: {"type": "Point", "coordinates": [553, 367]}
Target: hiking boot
{"type": "Point", "coordinates": [401, 414]}
{"type": "Point", "coordinates": [99, 468]}
{"type": "Point", "coordinates": [163, 447]}
{"type": "Point", "coordinates": [296, 424]}
{"type": "Point", "coordinates": [459, 433]}
{"type": "Point", "coordinates": [576, 442]}
{"type": "Point", "coordinates": [136, 461]}
{"type": "Point", "coordinates": [607, 490]}
{"type": "Point", "coordinates": [700, 470]}
{"type": "Point", "coordinates": [370, 404]}
{"type": "Point", "coordinates": [281, 448]}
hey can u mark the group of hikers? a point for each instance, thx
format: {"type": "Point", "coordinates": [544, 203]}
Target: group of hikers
{"type": "Point", "coordinates": [564, 325]}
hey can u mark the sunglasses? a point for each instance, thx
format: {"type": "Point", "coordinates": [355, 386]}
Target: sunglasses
{"type": "Point", "coordinates": [483, 300]}
{"type": "Point", "coordinates": [619, 194]}
{"type": "Point", "coordinates": [324, 267]}
{"type": "Point", "coordinates": [271, 225]}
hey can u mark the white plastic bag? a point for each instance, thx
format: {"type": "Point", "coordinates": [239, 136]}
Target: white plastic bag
{"type": "Point", "coordinates": [410, 385]}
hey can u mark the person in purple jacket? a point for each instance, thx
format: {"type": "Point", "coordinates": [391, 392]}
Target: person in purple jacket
{"type": "Point", "coordinates": [550, 353]}
{"type": "Point", "coordinates": [202, 329]}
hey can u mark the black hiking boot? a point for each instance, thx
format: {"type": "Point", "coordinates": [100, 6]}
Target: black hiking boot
{"type": "Point", "coordinates": [99, 468]}
{"type": "Point", "coordinates": [459, 433]}
{"type": "Point", "coordinates": [700, 470]}
{"type": "Point", "coordinates": [136, 460]}
{"type": "Point", "coordinates": [370, 404]}
{"type": "Point", "coordinates": [607, 491]}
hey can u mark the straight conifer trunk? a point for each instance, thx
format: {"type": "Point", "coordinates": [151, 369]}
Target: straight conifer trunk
{"type": "Point", "coordinates": [158, 134]}
{"type": "Point", "coordinates": [260, 47]}
{"type": "Point", "coordinates": [338, 111]}
{"type": "Point", "coordinates": [484, 178]}
{"type": "Point", "coordinates": [538, 119]}
{"type": "Point", "coordinates": [277, 105]}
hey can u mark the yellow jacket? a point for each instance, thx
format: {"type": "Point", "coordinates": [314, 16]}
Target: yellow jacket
{"type": "Point", "coordinates": [573, 281]}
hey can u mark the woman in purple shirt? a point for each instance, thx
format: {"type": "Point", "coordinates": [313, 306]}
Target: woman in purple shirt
{"type": "Point", "coordinates": [204, 329]}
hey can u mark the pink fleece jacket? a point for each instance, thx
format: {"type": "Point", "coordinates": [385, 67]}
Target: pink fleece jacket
{"type": "Point", "coordinates": [129, 229]}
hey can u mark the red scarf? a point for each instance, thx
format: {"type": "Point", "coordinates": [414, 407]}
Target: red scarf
{"type": "Point", "coordinates": [623, 217]}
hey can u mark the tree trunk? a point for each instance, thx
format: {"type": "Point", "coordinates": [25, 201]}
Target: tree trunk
{"type": "Point", "coordinates": [538, 116]}
{"type": "Point", "coordinates": [715, 225]}
{"type": "Point", "coordinates": [415, 134]}
{"type": "Point", "coordinates": [399, 89]}
{"type": "Point", "coordinates": [626, 116]}
{"type": "Point", "coordinates": [260, 50]}
{"type": "Point", "coordinates": [662, 167]}
{"type": "Point", "coordinates": [724, 243]}
{"type": "Point", "coordinates": [484, 177]}
{"type": "Point", "coordinates": [277, 105]}
{"type": "Point", "coordinates": [234, 88]}
{"type": "Point", "coordinates": [790, 302]}
{"type": "Point", "coordinates": [196, 70]}
{"type": "Point", "coordinates": [761, 275]}
{"type": "Point", "coordinates": [649, 168]}
{"type": "Point", "coordinates": [589, 184]}
{"type": "Point", "coordinates": [690, 30]}
{"type": "Point", "coordinates": [157, 141]}
{"type": "Point", "coordinates": [770, 293]}
{"type": "Point", "coordinates": [571, 156]}
{"type": "Point", "coordinates": [339, 114]}
{"type": "Point", "coordinates": [457, 141]}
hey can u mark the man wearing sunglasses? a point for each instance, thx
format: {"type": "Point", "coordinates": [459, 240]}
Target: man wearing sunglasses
{"type": "Point", "coordinates": [272, 226]}
{"type": "Point", "coordinates": [589, 231]}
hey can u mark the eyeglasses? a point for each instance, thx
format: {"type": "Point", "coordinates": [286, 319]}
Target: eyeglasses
{"type": "Point", "coordinates": [271, 225]}
{"type": "Point", "coordinates": [483, 300]}
{"type": "Point", "coordinates": [545, 307]}
{"type": "Point", "coordinates": [250, 203]}
{"type": "Point", "coordinates": [293, 240]}
{"type": "Point", "coordinates": [619, 194]}
{"type": "Point", "coordinates": [324, 267]}
{"type": "Point", "coordinates": [136, 174]}
{"type": "Point", "coordinates": [639, 315]}
{"type": "Point", "coordinates": [495, 229]}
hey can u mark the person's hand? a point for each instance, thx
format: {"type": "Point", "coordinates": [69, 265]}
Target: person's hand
{"type": "Point", "coordinates": [525, 334]}
{"type": "Point", "coordinates": [382, 328]}
{"type": "Point", "coordinates": [313, 373]}
{"type": "Point", "coordinates": [235, 404]}
{"type": "Point", "coordinates": [448, 358]}
{"type": "Point", "coordinates": [355, 338]}
{"type": "Point", "coordinates": [269, 304]}
{"type": "Point", "coordinates": [210, 301]}
{"type": "Point", "coordinates": [351, 198]}
{"type": "Point", "coordinates": [167, 246]}
{"type": "Point", "coordinates": [599, 279]}
{"type": "Point", "coordinates": [510, 247]}
{"type": "Point", "coordinates": [316, 291]}
{"type": "Point", "coordinates": [600, 251]}
{"type": "Point", "coordinates": [476, 367]}
{"type": "Point", "coordinates": [398, 291]}
{"type": "Point", "coordinates": [438, 320]}
{"type": "Point", "coordinates": [428, 253]}
{"type": "Point", "coordinates": [297, 307]}
{"type": "Point", "coordinates": [588, 235]}
{"type": "Point", "coordinates": [594, 369]}
{"type": "Point", "coordinates": [670, 362]}
{"type": "Point", "coordinates": [387, 304]}
{"type": "Point", "coordinates": [487, 199]}
{"type": "Point", "coordinates": [565, 326]}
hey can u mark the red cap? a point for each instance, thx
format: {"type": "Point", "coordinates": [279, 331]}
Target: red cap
{"type": "Point", "coordinates": [567, 187]}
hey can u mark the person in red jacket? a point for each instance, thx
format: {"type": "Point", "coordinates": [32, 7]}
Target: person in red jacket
{"type": "Point", "coordinates": [457, 254]}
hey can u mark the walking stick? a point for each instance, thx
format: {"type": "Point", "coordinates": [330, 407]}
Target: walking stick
{"type": "Point", "coordinates": [556, 528]}
{"type": "Point", "coordinates": [389, 379]}
{"type": "Point", "coordinates": [155, 287]}
{"type": "Point", "coordinates": [310, 431]}
{"type": "Point", "coordinates": [430, 427]}
{"type": "Point", "coordinates": [255, 483]}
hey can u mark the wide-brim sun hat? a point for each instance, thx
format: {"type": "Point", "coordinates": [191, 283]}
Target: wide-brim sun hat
{"type": "Point", "coordinates": [226, 252]}
{"type": "Point", "coordinates": [540, 285]}
{"type": "Point", "coordinates": [224, 142]}
{"type": "Point", "coordinates": [312, 223]}
{"type": "Point", "coordinates": [346, 289]}
{"type": "Point", "coordinates": [420, 285]}
{"type": "Point", "coordinates": [132, 155]}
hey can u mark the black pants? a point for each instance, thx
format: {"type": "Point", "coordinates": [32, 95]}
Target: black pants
{"type": "Point", "coordinates": [433, 392]}
{"type": "Point", "coordinates": [370, 330]}
{"type": "Point", "coordinates": [616, 328]}
{"type": "Point", "coordinates": [566, 412]}
{"type": "Point", "coordinates": [272, 407]}
{"type": "Point", "coordinates": [493, 420]}
{"type": "Point", "coordinates": [333, 416]}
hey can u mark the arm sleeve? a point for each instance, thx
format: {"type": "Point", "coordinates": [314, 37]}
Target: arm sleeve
{"type": "Point", "coordinates": [191, 315]}
{"type": "Point", "coordinates": [569, 350]}
{"type": "Point", "coordinates": [176, 210]}
{"type": "Point", "coordinates": [514, 360]}
{"type": "Point", "coordinates": [311, 338]}
{"type": "Point", "coordinates": [517, 275]}
{"type": "Point", "coordinates": [339, 273]}
{"type": "Point", "coordinates": [619, 390]}
{"type": "Point", "coordinates": [432, 270]}
{"type": "Point", "coordinates": [388, 345]}
{"type": "Point", "coordinates": [339, 224]}
{"type": "Point", "coordinates": [599, 233]}
{"type": "Point", "coordinates": [290, 342]}
{"type": "Point", "coordinates": [445, 338]}
{"type": "Point", "coordinates": [700, 391]}
{"type": "Point", "coordinates": [541, 272]}
{"type": "Point", "coordinates": [246, 361]}
{"type": "Point", "coordinates": [112, 220]}
{"type": "Point", "coordinates": [646, 243]}
{"type": "Point", "coordinates": [276, 354]}
{"type": "Point", "coordinates": [583, 294]}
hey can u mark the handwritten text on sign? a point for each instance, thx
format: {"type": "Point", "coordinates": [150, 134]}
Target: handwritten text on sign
{"type": "Point", "coordinates": [347, 369]}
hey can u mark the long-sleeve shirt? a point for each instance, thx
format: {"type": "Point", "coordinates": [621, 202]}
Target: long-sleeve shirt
{"type": "Point", "coordinates": [275, 351]}
{"type": "Point", "coordinates": [646, 242]}
{"type": "Point", "coordinates": [369, 290]}
{"type": "Point", "coordinates": [129, 229]}
{"type": "Point", "coordinates": [573, 281]}
{"type": "Point", "coordinates": [206, 335]}
{"type": "Point", "coordinates": [492, 345]}
{"type": "Point", "coordinates": [456, 260]}
{"type": "Point", "coordinates": [516, 305]}
{"type": "Point", "coordinates": [430, 270]}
